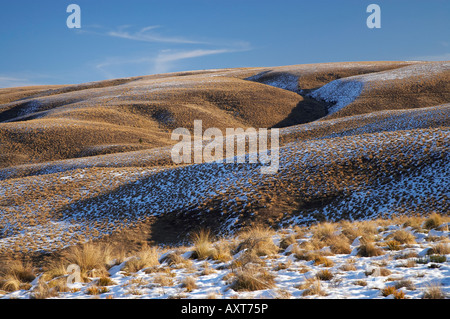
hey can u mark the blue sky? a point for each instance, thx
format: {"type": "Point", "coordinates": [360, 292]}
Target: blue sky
{"type": "Point", "coordinates": [140, 37]}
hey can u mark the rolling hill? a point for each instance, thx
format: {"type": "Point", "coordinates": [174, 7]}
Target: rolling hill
{"type": "Point", "coordinates": [358, 140]}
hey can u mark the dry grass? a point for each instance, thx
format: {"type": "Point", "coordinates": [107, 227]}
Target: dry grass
{"type": "Point", "coordinates": [325, 275]}
{"type": "Point", "coordinates": [44, 291]}
{"type": "Point", "coordinates": [361, 283]}
{"type": "Point", "coordinates": [323, 261]}
{"type": "Point", "coordinates": [405, 283]}
{"type": "Point", "coordinates": [95, 290]}
{"type": "Point", "coordinates": [434, 291]}
{"type": "Point", "coordinates": [222, 251]}
{"type": "Point", "coordinates": [92, 259]}
{"type": "Point", "coordinates": [403, 237]}
{"type": "Point", "coordinates": [257, 240]}
{"type": "Point", "coordinates": [391, 290]}
{"type": "Point", "coordinates": [202, 241]}
{"type": "Point", "coordinates": [324, 231]}
{"type": "Point", "coordinates": [15, 275]}
{"type": "Point", "coordinates": [175, 259]}
{"type": "Point", "coordinates": [189, 283]}
{"type": "Point", "coordinates": [287, 241]}
{"type": "Point", "coordinates": [348, 266]}
{"type": "Point", "coordinates": [251, 278]}
{"type": "Point", "coordinates": [163, 280]}
{"type": "Point", "coordinates": [433, 221]}
{"type": "Point", "coordinates": [439, 249]}
{"type": "Point", "coordinates": [369, 249]}
{"type": "Point", "coordinates": [145, 258]}
{"type": "Point", "coordinates": [312, 287]}
{"type": "Point", "coordinates": [105, 281]}
{"type": "Point", "coordinates": [340, 245]}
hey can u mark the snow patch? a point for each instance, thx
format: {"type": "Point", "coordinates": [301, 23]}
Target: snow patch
{"type": "Point", "coordinates": [283, 81]}
{"type": "Point", "coordinates": [339, 92]}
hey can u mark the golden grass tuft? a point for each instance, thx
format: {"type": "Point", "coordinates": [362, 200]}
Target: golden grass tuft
{"type": "Point", "coordinates": [433, 221]}
{"type": "Point", "coordinates": [252, 278]}
{"type": "Point", "coordinates": [312, 287]}
{"type": "Point", "coordinates": [145, 258]}
{"type": "Point", "coordinates": [324, 231]}
{"type": "Point", "coordinates": [287, 241]}
{"type": "Point", "coordinates": [434, 291]}
{"type": "Point", "coordinates": [91, 258]}
{"type": "Point", "coordinates": [15, 275]}
{"type": "Point", "coordinates": [174, 259]}
{"type": "Point", "coordinates": [105, 281]}
{"type": "Point", "coordinates": [189, 283]}
{"type": "Point", "coordinates": [403, 237]}
{"type": "Point", "coordinates": [258, 239]}
{"type": "Point", "coordinates": [369, 249]}
{"type": "Point", "coordinates": [325, 275]}
{"type": "Point", "coordinates": [391, 290]}
{"type": "Point", "coordinates": [202, 241]}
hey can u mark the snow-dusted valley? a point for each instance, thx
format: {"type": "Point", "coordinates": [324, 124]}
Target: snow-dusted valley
{"type": "Point", "coordinates": [364, 161]}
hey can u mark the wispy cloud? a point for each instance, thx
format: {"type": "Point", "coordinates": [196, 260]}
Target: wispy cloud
{"type": "Point", "coordinates": [163, 62]}
{"type": "Point", "coordinates": [149, 34]}
{"type": "Point", "coordinates": [165, 59]}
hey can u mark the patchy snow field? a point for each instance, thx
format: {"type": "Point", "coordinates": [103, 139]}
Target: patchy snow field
{"type": "Point", "coordinates": [399, 271]}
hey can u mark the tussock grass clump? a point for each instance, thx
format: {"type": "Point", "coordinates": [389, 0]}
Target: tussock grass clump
{"type": "Point", "coordinates": [189, 283]}
{"type": "Point", "coordinates": [163, 280]}
{"type": "Point", "coordinates": [324, 231]}
{"type": "Point", "coordinates": [174, 259]}
{"type": "Point", "coordinates": [393, 245]}
{"type": "Point", "coordinates": [350, 231]}
{"type": "Point", "coordinates": [202, 242]}
{"type": "Point", "coordinates": [368, 249]}
{"type": "Point", "coordinates": [105, 281]}
{"type": "Point", "coordinates": [207, 270]}
{"type": "Point", "coordinates": [245, 259]}
{"type": "Point", "coordinates": [324, 261]}
{"type": "Point", "coordinates": [302, 254]}
{"type": "Point", "coordinates": [415, 222]}
{"type": "Point", "coordinates": [15, 275]}
{"type": "Point", "coordinates": [433, 291]}
{"type": "Point", "coordinates": [403, 237]}
{"type": "Point", "coordinates": [439, 249]}
{"type": "Point", "coordinates": [91, 258]}
{"type": "Point", "coordinates": [325, 275]}
{"type": "Point", "coordinates": [340, 245]}
{"type": "Point", "coordinates": [391, 290]}
{"type": "Point", "coordinates": [287, 241]}
{"type": "Point", "coordinates": [145, 258]}
{"type": "Point", "coordinates": [53, 270]}
{"type": "Point", "coordinates": [43, 291]}
{"type": "Point", "coordinates": [281, 265]}
{"type": "Point", "coordinates": [96, 290]}
{"type": "Point", "coordinates": [348, 267]}
{"type": "Point", "coordinates": [222, 251]}
{"type": "Point", "coordinates": [311, 287]}
{"type": "Point", "coordinates": [433, 221]}
{"type": "Point", "coordinates": [258, 239]}
{"type": "Point", "coordinates": [405, 283]}
{"type": "Point", "coordinates": [252, 278]}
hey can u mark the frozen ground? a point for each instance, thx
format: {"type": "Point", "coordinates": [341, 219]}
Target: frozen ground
{"type": "Point", "coordinates": [408, 267]}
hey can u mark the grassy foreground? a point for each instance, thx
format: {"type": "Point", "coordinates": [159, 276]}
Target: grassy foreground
{"type": "Point", "coordinates": [401, 257]}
